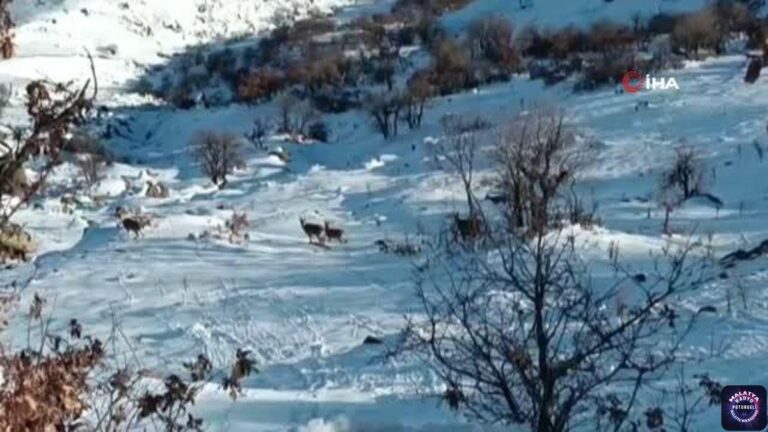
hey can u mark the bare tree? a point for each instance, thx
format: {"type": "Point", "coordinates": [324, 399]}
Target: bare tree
{"type": "Point", "coordinates": [416, 97]}
{"type": "Point", "coordinates": [458, 153]}
{"type": "Point", "coordinates": [295, 115]}
{"type": "Point", "coordinates": [385, 109]}
{"type": "Point", "coordinates": [287, 105]}
{"type": "Point", "coordinates": [491, 38]}
{"type": "Point", "coordinates": [259, 132]}
{"type": "Point", "coordinates": [91, 168]}
{"type": "Point", "coordinates": [218, 153]}
{"type": "Point", "coordinates": [686, 175]}
{"type": "Point", "coordinates": [523, 335]}
{"type": "Point", "coordinates": [537, 156]}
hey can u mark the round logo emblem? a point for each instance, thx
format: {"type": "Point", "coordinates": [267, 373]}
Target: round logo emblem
{"type": "Point", "coordinates": [744, 406]}
{"type": "Point", "coordinates": [632, 82]}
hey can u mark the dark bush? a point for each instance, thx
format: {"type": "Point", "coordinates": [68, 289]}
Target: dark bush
{"type": "Point", "coordinates": [318, 131]}
{"type": "Point", "coordinates": [607, 37]}
{"type": "Point", "coordinates": [557, 45]}
{"type": "Point", "coordinates": [310, 27]}
{"type": "Point", "coordinates": [662, 23]}
{"type": "Point", "coordinates": [432, 7]}
{"type": "Point", "coordinates": [610, 70]}
{"type": "Point", "coordinates": [335, 100]}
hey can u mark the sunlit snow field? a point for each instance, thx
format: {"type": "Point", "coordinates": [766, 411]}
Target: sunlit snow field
{"type": "Point", "coordinates": [304, 311]}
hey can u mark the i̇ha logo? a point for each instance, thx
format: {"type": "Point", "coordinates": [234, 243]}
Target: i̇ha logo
{"type": "Point", "coordinates": [634, 81]}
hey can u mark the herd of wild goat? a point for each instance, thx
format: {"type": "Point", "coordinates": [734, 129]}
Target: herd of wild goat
{"type": "Point", "coordinates": [321, 232]}
{"type": "Point", "coordinates": [133, 223]}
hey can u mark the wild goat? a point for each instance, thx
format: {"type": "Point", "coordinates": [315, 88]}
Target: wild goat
{"type": "Point", "coordinates": [334, 233]}
{"type": "Point", "coordinates": [131, 223]}
{"type": "Point", "coordinates": [496, 198]}
{"type": "Point", "coordinates": [238, 226]}
{"type": "Point", "coordinates": [312, 230]}
{"type": "Point", "coordinates": [468, 228]}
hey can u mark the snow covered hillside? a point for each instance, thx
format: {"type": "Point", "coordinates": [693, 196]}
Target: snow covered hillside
{"type": "Point", "coordinates": [304, 311]}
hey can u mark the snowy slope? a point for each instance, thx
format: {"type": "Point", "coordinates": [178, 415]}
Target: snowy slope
{"type": "Point", "coordinates": [557, 13]}
{"type": "Point", "coordinates": [304, 311]}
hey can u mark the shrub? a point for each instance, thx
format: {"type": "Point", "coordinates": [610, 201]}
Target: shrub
{"type": "Point", "coordinates": [318, 131]}
{"type": "Point", "coordinates": [308, 28]}
{"type": "Point", "coordinates": [258, 133]}
{"type": "Point", "coordinates": [607, 37]}
{"type": "Point", "coordinates": [431, 7]}
{"type": "Point", "coordinates": [15, 184]}
{"type": "Point", "coordinates": [556, 45]}
{"type": "Point", "coordinates": [734, 16]}
{"type": "Point", "coordinates": [335, 100]}
{"type": "Point", "coordinates": [451, 69]}
{"type": "Point", "coordinates": [610, 70]}
{"type": "Point", "coordinates": [553, 71]}
{"type": "Point", "coordinates": [662, 23]}
{"type": "Point", "coordinates": [326, 69]}
{"type": "Point", "coordinates": [218, 154]}
{"type": "Point", "coordinates": [223, 62]}
{"type": "Point", "coordinates": [295, 115]}
{"type": "Point", "coordinates": [417, 95]}
{"type": "Point", "coordinates": [68, 381]}
{"type": "Point", "coordinates": [701, 30]}
{"type": "Point", "coordinates": [490, 38]}
{"type": "Point", "coordinates": [429, 30]}
{"type": "Point", "coordinates": [261, 84]}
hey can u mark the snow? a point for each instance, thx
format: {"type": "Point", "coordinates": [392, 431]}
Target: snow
{"type": "Point", "coordinates": [304, 311]}
{"type": "Point", "coordinates": [557, 13]}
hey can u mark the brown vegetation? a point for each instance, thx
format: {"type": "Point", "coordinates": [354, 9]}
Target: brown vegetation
{"type": "Point", "coordinates": [260, 85]}
{"type": "Point", "coordinates": [451, 69]}
{"type": "Point", "coordinates": [6, 30]}
{"type": "Point", "coordinates": [65, 382]}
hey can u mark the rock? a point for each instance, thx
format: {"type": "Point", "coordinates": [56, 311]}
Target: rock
{"type": "Point", "coordinates": [723, 275]}
{"type": "Point", "coordinates": [753, 70]}
{"type": "Point", "coordinates": [639, 278]}
{"type": "Point", "coordinates": [372, 340]}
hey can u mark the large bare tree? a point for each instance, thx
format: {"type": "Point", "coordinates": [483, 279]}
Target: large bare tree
{"type": "Point", "coordinates": [537, 156]}
{"type": "Point", "coordinates": [520, 333]}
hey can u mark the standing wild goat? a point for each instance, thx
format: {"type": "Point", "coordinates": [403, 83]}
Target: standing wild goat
{"type": "Point", "coordinates": [312, 230]}
{"type": "Point", "coordinates": [468, 228]}
{"type": "Point", "coordinates": [131, 223]}
{"type": "Point", "coordinates": [334, 233]}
